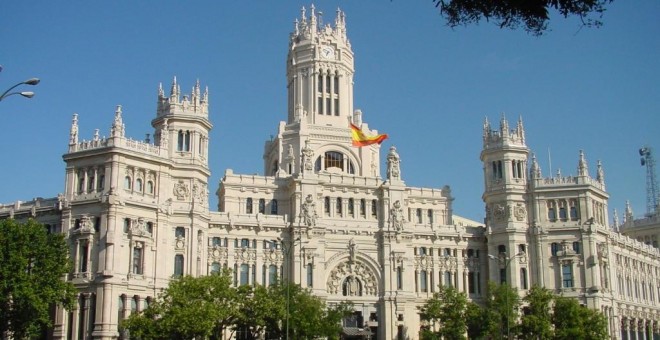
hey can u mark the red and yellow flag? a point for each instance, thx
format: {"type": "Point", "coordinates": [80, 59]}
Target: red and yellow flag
{"type": "Point", "coordinates": [360, 139]}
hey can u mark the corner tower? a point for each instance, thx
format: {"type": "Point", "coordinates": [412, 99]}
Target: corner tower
{"type": "Point", "coordinates": [504, 156]}
{"type": "Point", "coordinates": [319, 71]}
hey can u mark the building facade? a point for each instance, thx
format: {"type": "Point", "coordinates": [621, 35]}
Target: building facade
{"type": "Point", "coordinates": [326, 216]}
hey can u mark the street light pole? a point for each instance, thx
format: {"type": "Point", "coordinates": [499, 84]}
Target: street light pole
{"type": "Point", "coordinates": [286, 249]}
{"type": "Point", "coordinates": [26, 94]}
{"type": "Point", "coordinates": [507, 261]}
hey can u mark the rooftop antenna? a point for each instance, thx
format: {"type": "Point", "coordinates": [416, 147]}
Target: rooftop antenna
{"type": "Point", "coordinates": [647, 160]}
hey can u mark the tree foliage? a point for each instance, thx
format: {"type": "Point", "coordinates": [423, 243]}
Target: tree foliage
{"type": "Point", "coordinates": [573, 321]}
{"type": "Point", "coordinates": [533, 15]}
{"type": "Point", "coordinates": [34, 264]}
{"type": "Point", "coordinates": [502, 305]}
{"type": "Point", "coordinates": [204, 307]}
{"type": "Point", "coordinates": [448, 310]}
{"type": "Point", "coordinates": [536, 322]}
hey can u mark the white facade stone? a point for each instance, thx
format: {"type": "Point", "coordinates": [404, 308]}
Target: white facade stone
{"type": "Point", "coordinates": [136, 214]}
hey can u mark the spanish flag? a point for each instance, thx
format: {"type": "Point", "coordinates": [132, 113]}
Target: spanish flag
{"type": "Point", "coordinates": [360, 139]}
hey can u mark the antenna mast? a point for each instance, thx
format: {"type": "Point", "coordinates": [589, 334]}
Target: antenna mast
{"type": "Point", "coordinates": [651, 182]}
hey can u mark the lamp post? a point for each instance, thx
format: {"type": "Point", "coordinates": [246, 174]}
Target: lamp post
{"type": "Point", "coordinates": [506, 260]}
{"type": "Point", "coordinates": [287, 245]}
{"type": "Point", "coordinates": [26, 94]}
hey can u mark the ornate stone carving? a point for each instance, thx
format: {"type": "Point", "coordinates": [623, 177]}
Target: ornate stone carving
{"type": "Point", "coordinates": [139, 228]}
{"type": "Point", "coordinates": [393, 161]}
{"type": "Point", "coordinates": [396, 217]}
{"type": "Point", "coordinates": [352, 248]}
{"type": "Point", "coordinates": [181, 190]}
{"type": "Point", "coordinates": [520, 212]}
{"type": "Point", "coordinates": [309, 211]}
{"type": "Point", "coordinates": [499, 212]}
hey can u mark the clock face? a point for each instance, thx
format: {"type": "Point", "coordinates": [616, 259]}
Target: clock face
{"type": "Point", "coordinates": [328, 52]}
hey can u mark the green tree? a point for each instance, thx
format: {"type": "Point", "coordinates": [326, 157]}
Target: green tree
{"type": "Point", "coordinates": [532, 15]}
{"type": "Point", "coordinates": [477, 321]}
{"type": "Point", "coordinates": [190, 307]}
{"type": "Point", "coordinates": [447, 309]}
{"type": "Point", "coordinates": [573, 321]}
{"type": "Point", "coordinates": [309, 317]}
{"type": "Point", "coordinates": [502, 304]}
{"type": "Point", "coordinates": [536, 322]}
{"type": "Point", "coordinates": [32, 272]}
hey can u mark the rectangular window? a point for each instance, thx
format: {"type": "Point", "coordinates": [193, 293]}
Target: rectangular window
{"type": "Point", "coordinates": [419, 216]}
{"type": "Point", "coordinates": [336, 85]}
{"type": "Point", "coordinates": [523, 278]}
{"type": "Point", "coordinates": [245, 274]}
{"type": "Point", "coordinates": [576, 247]}
{"type": "Point", "coordinates": [339, 206]}
{"type": "Point", "coordinates": [178, 265]}
{"type": "Point", "coordinates": [399, 278]}
{"type": "Point", "coordinates": [430, 216]}
{"type": "Point", "coordinates": [84, 247]}
{"type": "Point", "coordinates": [245, 243]}
{"type": "Point", "coordinates": [374, 209]}
{"type": "Point", "coordinates": [448, 281]}
{"type": "Point", "coordinates": [471, 285]}
{"type": "Point", "coordinates": [363, 208]}
{"type": "Point", "coordinates": [320, 83]}
{"type": "Point", "coordinates": [310, 275]}
{"type": "Point", "coordinates": [137, 259]}
{"type": "Point", "coordinates": [336, 106]}
{"type": "Point", "coordinates": [272, 274]}
{"type": "Point", "coordinates": [502, 276]}
{"type": "Point", "coordinates": [320, 106]}
{"type": "Point", "coordinates": [567, 275]}
{"type": "Point", "coordinates": [422, 281]}
{"type": "Point", "coordinates": [327, 106]}
{"type": "Point", "coordinates": [262, 206]}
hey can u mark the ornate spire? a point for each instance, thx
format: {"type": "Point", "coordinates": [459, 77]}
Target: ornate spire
{"type": "Point", "coordinates": [205, 98]}
{"type": "Point", "coordinates": [520, 130]}
{"type": "Point", "coordinates": [118, 124]}
{"type": "Point", "coordinates": [615, 219]}
{"type": "Point", "coordinates": [582, 165]}
{"type": "Point", "coordinates": [504, 126]}
{"type": "Point", "coordinates": [73, 135]}
{"type": "Point", "coordinates": [161, 93]}
{"type": "Point", "coordinates": [486, 127]}
{"type": "Point", "coordinates": [174, 90]}
{"type": "Point", "coordinates": [628, 216]}
{"type": "Point", "coordinates": [600, 174]}
{"type": "Point", "coordinates": [196, 94]}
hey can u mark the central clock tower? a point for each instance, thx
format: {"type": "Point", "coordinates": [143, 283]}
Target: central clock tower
{"type": "Point", "coordinates": [319, 71]}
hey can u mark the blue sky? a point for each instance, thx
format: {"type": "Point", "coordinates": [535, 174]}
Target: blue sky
{"type": "Point", "coordinates": [428, 86]}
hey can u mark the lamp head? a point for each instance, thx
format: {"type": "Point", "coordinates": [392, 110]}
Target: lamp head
{"type": "Point", "coordinates": [32, 81]}
{"type": "Point", "coordinates": [27, 94]}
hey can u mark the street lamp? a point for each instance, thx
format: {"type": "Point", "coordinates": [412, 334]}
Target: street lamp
{"type": "Point", "coordinates": [506, 260]}
{"type": "Point", "coordinates": [26, 94]}
{"type": "Point", "coordinates": [286, 249]}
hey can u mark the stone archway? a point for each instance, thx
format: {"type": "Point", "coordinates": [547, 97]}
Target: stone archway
{"type": "Point", "coordinates": [352, 279]}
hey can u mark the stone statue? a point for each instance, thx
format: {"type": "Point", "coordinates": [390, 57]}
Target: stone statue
{"type": "Point", "coordinates": [393, 161]}
{"type": "Point", "coordinates": [309, 211]}
{"type": "Point", "coordinates": [352, 248]}
{"type": "Point", "coordinates": [73, 136]}
{"type": "Point", "coordinates": [307, 155]}
{"type": "Point", "coordinates": [396, 217]}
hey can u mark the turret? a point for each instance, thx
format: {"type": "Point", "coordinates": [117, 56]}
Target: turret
{"type": "Point", "coordinates": [182, 125]}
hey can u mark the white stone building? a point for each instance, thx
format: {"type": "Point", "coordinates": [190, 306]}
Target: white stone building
{"type": "Point", "coordinates": [136, 215]}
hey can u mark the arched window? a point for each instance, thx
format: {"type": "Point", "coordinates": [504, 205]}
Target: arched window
{"type": "Point", "coordinates": [351, 207]}
{"type": "Point", "coordinates": [101, 182]}
{"type": "Point", "coordinates": [310, 275]}
{"type": "Point", "coordinates": [552, 212]}
{"type": "Point", "coordinates": [363, 208]}
{"type": "Point", "coordinates": [326, 205]}
{"type": "Point", "coordinates": [81, 181]}
{"type": "Point", "coordinates": [180, 232]}
{"type": "Point", "coordinates": [150, 187]}
{"type": "Point", "coordinates": [216, 242]}
{"type": "Point", "coordinates": [128, 183]}
{"type": "Point", "coordinates": [120, 307]}
{"type": "Point", "coordinates": [134, 304]}
{"type": "Point", "coordinates": [273, 207]}
{"type": "Point", "coordinates": [150, 227]}
{"type": "Point", "coordinates": [248, 205]}
{"type": "Point", "coordinates": [179, 141]}
{"type": "Point", "coordinates": [423, 277]}
{"type": "Point", "coordinates": [262, 206]}
{"type": "Point", "coordinates": [127, 224]}
{"type": "Point", "coordinates": [339, 206]}
{"type": "Point", "coordinates": [138, 184]}
{"type": "Point", "coordinates": [374, 208]}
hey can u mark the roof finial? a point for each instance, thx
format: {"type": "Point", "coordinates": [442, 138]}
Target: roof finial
{"type": "Point", "coordinates": [600, 173]}
{"type": "Point", "coordinates": [520, 129]}
{"type": "Point", "coordinates": [73, 135]}
{"type": "Point", "coordinates": [161, 93]}
{"type": "Point", "coordinates": [628, 216]}
{"type": "Point", "coordinates": [117, 129]}
{"type": "Point", "coordinates": [535, 170]}
{"type": "Point", "coordinates": [174, 91]}
{"type": "Point", "coordinates": [615, 218]}
{"type": "Point", "coordinates": [504, 126]}
{"type": "Point", "coordinates": [582, 165]}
